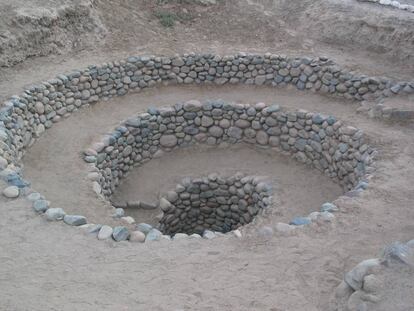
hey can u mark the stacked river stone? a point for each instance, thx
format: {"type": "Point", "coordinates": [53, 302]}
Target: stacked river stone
{"type": "Point", "coordinates": [213, 203]}
{"type": "Point", "coordinates": [24, 118]}
{"type": "Point", "coordinates": [312, 138]}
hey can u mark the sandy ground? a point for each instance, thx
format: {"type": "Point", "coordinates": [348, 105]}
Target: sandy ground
{"type": "Point", "coordinates": [76, 272]}
{"type": "Point", "coordinates": [47, 266]}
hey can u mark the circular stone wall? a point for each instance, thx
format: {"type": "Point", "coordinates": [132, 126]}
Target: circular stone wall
{"type": "Point", "coordinates": [321, 141]}
{"type": "Point", "coordinates": [213, 203]}
{"type": "Point", "coordinates": [312, 138]}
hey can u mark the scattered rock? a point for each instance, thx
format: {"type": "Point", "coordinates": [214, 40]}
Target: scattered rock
{"type": "Point", "coordinates": [355, 277]}
{"type": "Point", "coordinates": [105, 233]}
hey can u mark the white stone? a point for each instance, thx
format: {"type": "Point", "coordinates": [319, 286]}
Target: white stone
{"type": "Point", "coordinates": [237, 233]}
{"type": "Point", "coordinates": [180, 236]}
{"type": "Point", "coordinates": [209, 235]}
{"type": "Point", "coordinates": [11, 192]}
{"type": "Point", "coordinates": [128, 220]}
{"type": "Point", "coordinates": [105, 233]}
{"type": "Point", "coordinates": [3, 163]}
{"type": "Point", "coordinates": [137, 236]}
{"type": "Point", "coordinates": [96, 187]}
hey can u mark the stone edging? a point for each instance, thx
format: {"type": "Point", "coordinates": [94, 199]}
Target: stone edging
{"type": "Point", "coordinates": [24, 118]}
{"type": "Point", "coordinates": [394, 4]}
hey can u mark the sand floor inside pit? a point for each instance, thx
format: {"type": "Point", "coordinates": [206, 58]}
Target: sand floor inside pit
{"type": "Point", "coordinates": [299, 189]}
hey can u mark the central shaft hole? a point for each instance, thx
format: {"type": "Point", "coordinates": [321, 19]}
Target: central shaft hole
{"type": "Point", "coordinates": [213, 203]}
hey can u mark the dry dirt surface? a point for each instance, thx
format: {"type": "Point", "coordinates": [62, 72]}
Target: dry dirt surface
{"type": "Point", "coordinates": [49, 266]}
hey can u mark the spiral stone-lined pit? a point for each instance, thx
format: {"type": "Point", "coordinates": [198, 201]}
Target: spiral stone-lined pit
{"type": "Point", "coordinates": [317, 140]}
{"type": "Point", "coordinates": [314, 139]}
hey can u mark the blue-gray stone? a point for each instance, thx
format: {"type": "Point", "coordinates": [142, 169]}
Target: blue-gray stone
{"type": "Point", "coordinates": [55, 214]}
{"type": "Point", "coordinates": [343, 147]}
{"type": "Point", "coordinates": [95, 228]}
{"type": "Point", "coordinates": [316, 146]}
{"type": "Point", "coordinates": [329, 207]}
{"type": "Point", "coordinates": [144, 228]}
{"type": "Point", "coordinates": [299, 221]}
{"type": "Point", "coordinates": [90, 159]}
{"type": "Point", "coordinates": [191, 130]}
{"type": "Point", "coordinates": [40, 206]}
{"type": "Point", "coordinates": [120, 233]}
{"type": "Point", "coordinates": [74, 220]}
{"type": "Point", "coordinates": [15, 180]}
{"type": "Point", "coordinates": [153, 111]}
{"type": "Point", "coordinates": [300, 144]}
{"type": "Point", "coordinates": [331, 120]}
{"type": "Point", "coordinates": [362, 185]}
{"type": "Point", "coordinates": [119, 212]}
{"type": "Point", "coordinates": [133, 122]}
{"type": "Point", "coordinates": [153, 235]}
{"type": "Point", "coordinates": [318, 118]}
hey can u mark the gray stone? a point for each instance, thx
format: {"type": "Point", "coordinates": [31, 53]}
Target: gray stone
{"type": "Point", "coordinates": [172, 196]}
{"type": "Point", "coordinates": [262, 138]}
{"type": "Point", "coordinates": [165, 205]}
{"type": "Point", "coordinates": [168, 141]}
{"type": "Point", "coordinates": [206, 121]}
{"type": "Point", "coordinates": [216, 131]}
{"type": "Point", "coordinates": [3, 163]}
{"type": "Point", "coordinates": [54, 214]}
{"type": "Point", "coordinates": [235, 132]}
{"type": "Point", "coordinates": [34, 196]}
{"type": "Point", "coordinates": [192, 106]}
{"type": "Point", "coordinates": [120, 233]}
{"type": "Point", "coordinates": [74, 220]}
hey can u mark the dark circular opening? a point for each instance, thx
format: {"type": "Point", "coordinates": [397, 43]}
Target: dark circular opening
{"type": "Point", "coordinates": [213, 203]}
